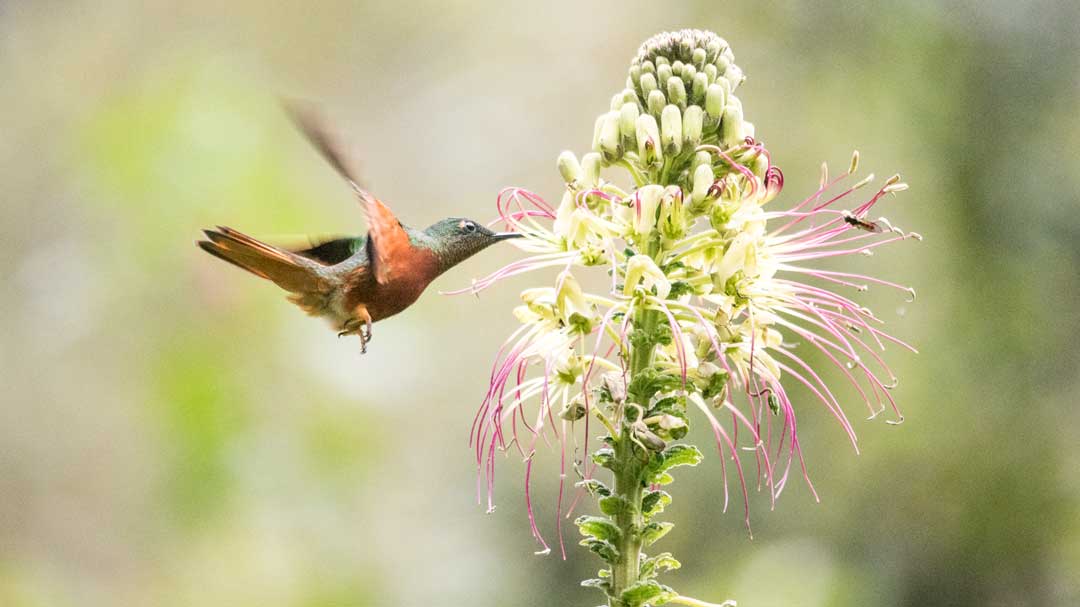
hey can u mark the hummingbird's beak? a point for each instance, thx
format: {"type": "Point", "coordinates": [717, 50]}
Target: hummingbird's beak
{"type": "Point", "coordinates": [507, 235]}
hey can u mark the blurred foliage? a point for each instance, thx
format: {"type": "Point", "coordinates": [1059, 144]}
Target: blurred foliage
{"type": "Point", "coordinates": [174, 433]}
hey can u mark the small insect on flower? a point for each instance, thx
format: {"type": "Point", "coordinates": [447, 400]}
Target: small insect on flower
{"type": "Point", "coordinates": [862, 224]}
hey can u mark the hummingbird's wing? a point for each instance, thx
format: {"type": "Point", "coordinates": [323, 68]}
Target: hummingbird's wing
{"type": "Point", "coordinates": [327, 249]}
{"type": "Point", "coordinates": [387, 237]}
{"type": "Point", "coordinates": [333, 251]}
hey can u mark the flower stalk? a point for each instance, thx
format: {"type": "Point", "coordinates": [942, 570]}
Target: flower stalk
{"type": "Point", "coordinates": [708, 292]}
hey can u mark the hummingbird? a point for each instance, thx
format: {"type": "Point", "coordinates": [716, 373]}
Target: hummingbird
{"type": "Point", "coordinates": [355, 281]}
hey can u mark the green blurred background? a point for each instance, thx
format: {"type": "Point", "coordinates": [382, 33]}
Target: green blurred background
{"type": "Point", "coordinates": [172, 432]}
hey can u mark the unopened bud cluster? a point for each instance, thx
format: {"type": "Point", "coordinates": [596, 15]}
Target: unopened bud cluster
{"type": "Point", "coordinates": [680, 94]}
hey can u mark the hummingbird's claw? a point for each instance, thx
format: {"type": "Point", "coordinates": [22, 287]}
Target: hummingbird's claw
{"type": "Point", "coordinates": [360, 325]}
{"type": "Point", "coordinates": [365, 336]}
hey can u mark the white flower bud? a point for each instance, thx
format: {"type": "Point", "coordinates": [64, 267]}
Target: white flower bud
{"type": "Point", "coordinates": [648, 140]}
{"type": "Point", "coordinates": [710, 72]}
{"type": "Point", "coordinates": [703, 180]}
{"type": "Point", "coordinates": [656, 103]}
{"type": "Point", "coordinates": [646, 201]}
{"type": "Point", "coordinates": [597, 130]}
{"type": "Point", "coordinates": [731, 128]}
{"type": "Point", "coordinates": [628, 116]}
{"type": "Point", "coordinates": [700, 85]}
{"type": "Point", "coordinates": [723, 62]}
{"type": "Point", "coordinates": [609, 136]}
{"type": "Point", "coordinates": [663, 73]}
{"type": "Point", "coordinates": [715, 99]}
{"type": "Point", "coordinates": [648, 84]}
{"type": "Point", "coordinates": [700, 158]}
{"type": "Point", "coordinates": [699, 57]}
{"type": "Point", "coordinates": [569, 168]}
{"type": "Point", "coordinates": [590, 165]}
{"type": "Point", "coordinates": [715, 47]}
{"type": "Point", "coordinates": [693, 120]}
{"type": "Point", "coordinates": [672, 217]}
{"type": "Point", "coordinates": [671, 129]}
{"type": "Point", "coordinates": [676, 91]}
{"type": "Point", "coordinates": [734, 75]}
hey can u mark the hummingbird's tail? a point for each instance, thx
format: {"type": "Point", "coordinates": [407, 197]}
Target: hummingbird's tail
{"type": "Point", "coordinates": [288, 270]}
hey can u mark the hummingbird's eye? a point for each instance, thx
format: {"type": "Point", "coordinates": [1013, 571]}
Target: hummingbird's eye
{"type": "Point", "coordinates": [468, 227]}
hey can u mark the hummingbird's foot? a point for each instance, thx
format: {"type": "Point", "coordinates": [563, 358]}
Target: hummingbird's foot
{"type": "Point", "coordinates": [361, 325]}
{"type": "Point", "coordinates": [348, 328]}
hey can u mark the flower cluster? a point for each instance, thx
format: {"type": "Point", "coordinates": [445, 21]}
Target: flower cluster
{"type": "Point", "coordinates": [706, 293]}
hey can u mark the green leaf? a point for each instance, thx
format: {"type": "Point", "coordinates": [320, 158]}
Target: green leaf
{"type": "Point", "coordinates": [681, 455]}
{"type": "Point", "coordinates": [605, 550]}
{"type": "Point", "coordinates": [654, 531]}
{"type": "Point", "coordinates": [597, 583]}
{"type": "Point", "coordinates": [680, 288]}
{"type": "Point", "coordinates": [649, 381]}
{"type": "Point", "coordinates": [613, 504]}
{"type": "Point", "coordinates": [648, 591]}
{"type": "Point", "coordinates": [594, 487]}
{"type": "Point", "coordinates": [669, 404]}
{"type": "Point", "coordinates": [598, 527]}
{"type": "Point", "coordinates": [662, 334]}
{"type": "Point", "coordinates": [605, 458]}
{"type": "Point", "coordinates": [654, 502]}
{"type": "Point", "coordinates": [715, 387]}
{"type": "Point", "coordinates": [675, 455]}
{"type": "Point", "coordinates": [658, 564]}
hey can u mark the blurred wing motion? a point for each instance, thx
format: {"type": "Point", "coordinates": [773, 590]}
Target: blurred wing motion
{"type": "Point", "coordinates": [290, 271]}
{"type": "Point", "coordinates": [327, 249]}
{"type": "Point", "coordinates": [387, 238]}
{"type": "Point", "coordinates": [332, 252]}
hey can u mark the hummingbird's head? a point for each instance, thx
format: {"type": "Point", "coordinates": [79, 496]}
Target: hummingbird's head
{"type": "Point", "coordinates": [456, 239]}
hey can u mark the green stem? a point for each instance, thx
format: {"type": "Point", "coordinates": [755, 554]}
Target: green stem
{"type": "Point", "coordinates": [627, 485]}
{"type": "Point", "coordinates": [629, 468]}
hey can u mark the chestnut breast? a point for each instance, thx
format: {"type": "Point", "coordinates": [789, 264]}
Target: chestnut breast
{"type": "Point", "coordinates": [413, 270]}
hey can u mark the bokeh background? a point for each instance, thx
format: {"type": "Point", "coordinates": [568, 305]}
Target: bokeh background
{"type": "Point", "coordinates": [172, 432]}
